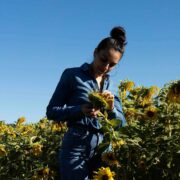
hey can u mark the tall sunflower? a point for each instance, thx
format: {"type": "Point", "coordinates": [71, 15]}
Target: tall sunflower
{"type": "Point", "coordinates": [21, 120]}
{"type": "Point", "coordinates": [173, 95]}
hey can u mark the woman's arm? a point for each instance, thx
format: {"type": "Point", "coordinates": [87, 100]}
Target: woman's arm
{"type": "Point", "coordinates": [57, 109]}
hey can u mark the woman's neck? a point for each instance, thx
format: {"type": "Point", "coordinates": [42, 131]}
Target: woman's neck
{"type": "Point", "coordinates": [94, 74]}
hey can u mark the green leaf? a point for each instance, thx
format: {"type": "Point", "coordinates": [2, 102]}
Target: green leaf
{"type": "Point", "coordinates": [103, 147]}
{"type": "Point", "coordinates": [105, 129]}
{"type": "Point", "coordinates": [115, 122]}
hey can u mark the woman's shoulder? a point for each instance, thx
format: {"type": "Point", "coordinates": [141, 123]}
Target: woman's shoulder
{"type": "Point", "coordinates": [71, 71]}
{"type": "Point", "coordinates": [75, 70]}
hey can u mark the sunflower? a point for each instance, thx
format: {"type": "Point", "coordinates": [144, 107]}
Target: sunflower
{"type": "Point", "coordinates": [36, 148]}
{"type": "Point", "coordinates": [110, 159]}
{"type": "Point", "coordinates": [118, 144]}
{"type": "Point", "coordinates": [153, 90]}
{"type": "Point", "coordinates": [128, 85]}
{"type": "Point", "coordinates": [130, 112]}
{"type": "Point", "coordinates": [21, 120]}
{"type": "Point", "coordinates": [45, 171]}
{"type": "Point", "coordinates": [142, 164]}
{"type": "Point", "coordinates": [135, 91]}
{"type": "Point", "coordinates": [173, 95]}
{"type": "Point", "coordinates": [145, 101]}
{"type": "Point", "coordinates": [98, 100]}
{"type": "Point", "coordinates": [2, 150]}
{"type": "Point", "coordinates": [146, 94]}
{"type": "Point", "coordinates": [104, 174]}
{"type": "Point", "coordinates": [56, 127]}
{"type": "Point", "coordinates": [151, 112]}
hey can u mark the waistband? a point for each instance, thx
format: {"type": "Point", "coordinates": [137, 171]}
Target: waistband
{"type": "Point", "coordinates": [86, 128]}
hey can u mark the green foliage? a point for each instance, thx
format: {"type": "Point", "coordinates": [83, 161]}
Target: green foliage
{"type": "Point", "coordinates": [152, 144]}
{"type": "Point", "coordinates": [30, 151]}
{"type": "Point", "coordinates": [148, 147]}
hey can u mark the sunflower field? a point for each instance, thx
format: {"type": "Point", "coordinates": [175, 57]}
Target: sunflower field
{"type": "Point", "coordinates": [146, 148]}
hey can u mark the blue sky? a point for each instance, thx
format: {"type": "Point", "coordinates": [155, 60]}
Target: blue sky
{"type": "Point", "coordinates": [40, 38]}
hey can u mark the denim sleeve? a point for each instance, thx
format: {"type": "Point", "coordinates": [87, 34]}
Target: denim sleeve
{"type": "Point", "coordinates": [117, 112]}
{"type": "Point", "coordinates": [57, 109]}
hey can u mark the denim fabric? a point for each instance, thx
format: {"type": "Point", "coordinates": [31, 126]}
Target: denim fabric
{"type": "Point", "coordinates": [72, 91]}
{"type": "Point", "coordinates": [77, 156]}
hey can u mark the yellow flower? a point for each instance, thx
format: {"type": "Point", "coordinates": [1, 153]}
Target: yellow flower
{"type": "Point", "coordinates": [45, 171]}
{"type": "Point", "coordinates": [118, 144]}
{"type": "Point", "coordinates": [27, 129]}
{"type": "Point", "coordinates": [144, 95]}
{"type": "Point", "coordinates": [173, 94]}
{"type": "Point", "coordinates": [13, 135]}
{"type": "Point", "coordinates": [56, 127]}
{"type": "Point", "coordinates": [21, 120]}
{"type": "Point", "coordinates": [42, 125]}
{"type": "Point", "coordinates": [145, 101]}
{"type": "Point", "coordinates": [2, 150]}
{"type": "Point", "coordinates": [110, 159]}
{"type": "Point", "coordinates": [104, 174]}
{"type": "Point", "coordinates": [98, 100]}
{"type": "Point", "coordinates": [128, 85]}
{"type": "Point", "coordinates": [136, 91]}
{"type": "Point", "coordinates": [37, 148]}
{"type": "Point", "coordinates": [130, 112]}
{"type": "Point", "coordinates": [151, 112]}
{"type": "Point", "coordinates": [153, 90]}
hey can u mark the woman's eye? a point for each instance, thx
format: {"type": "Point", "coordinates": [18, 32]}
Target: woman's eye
{"type": "Point", "coordinates": [104, 60]}
{"type": "Point", "coordinates": [111, 65]}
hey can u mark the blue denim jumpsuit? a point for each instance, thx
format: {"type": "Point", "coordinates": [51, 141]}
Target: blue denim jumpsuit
{"type": "Point", "coordinates": [77, 155]}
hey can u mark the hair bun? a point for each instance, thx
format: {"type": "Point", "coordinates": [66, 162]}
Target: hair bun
{"type": "Point", "coordinates": [119, 34]}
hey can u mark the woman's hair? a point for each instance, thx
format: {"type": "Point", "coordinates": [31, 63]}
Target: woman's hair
{"type": "Point", "coordinates": [117, 40]}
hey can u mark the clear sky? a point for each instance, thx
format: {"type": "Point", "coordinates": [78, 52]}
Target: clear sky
{"type": "Point", "coordinates": [40, 38]}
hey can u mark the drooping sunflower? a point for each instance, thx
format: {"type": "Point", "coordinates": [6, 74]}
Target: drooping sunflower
{"type": "Point", "coordinates": [98, 100]}
{"type": "Point", "coordinates": [2, 150]}
{"type": "Point", "coordinates": [110, 159]}
{"type": "Point", "coordinates": [173, 95]}
{"type": "Point", "coordinates": [21, 120]}
{"type": "Point", "coordinates": [146, 95]}
{"type": "Point", "coordinates": [104, 174]}
{"type": "Point", "coordinates": [153, 90]}
{"type": "Point", "coordinates": [128, 85]}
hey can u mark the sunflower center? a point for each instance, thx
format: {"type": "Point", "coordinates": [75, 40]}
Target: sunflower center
{"type": "Point", "coordinates": [150, 113]}
{"type": "Point", "coordinates": [111, 157]}
{"type": "Point", "coordinates": [105, 177]}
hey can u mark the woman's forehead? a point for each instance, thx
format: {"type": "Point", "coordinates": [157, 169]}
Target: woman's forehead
{"type": "Point", "coordinates": [110, 53]}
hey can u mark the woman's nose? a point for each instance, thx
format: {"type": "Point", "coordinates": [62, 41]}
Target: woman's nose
{"type": "Point", "coordinates": [106, 66]}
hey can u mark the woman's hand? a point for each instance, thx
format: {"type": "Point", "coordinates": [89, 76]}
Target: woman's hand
{"type": "Point", "coordinates": [109, 98]}
{"type": "Point", "coordinates": [89, 111]}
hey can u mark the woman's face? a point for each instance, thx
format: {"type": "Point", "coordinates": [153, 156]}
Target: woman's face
{"type": "Point", "coordinates": [105, 61]}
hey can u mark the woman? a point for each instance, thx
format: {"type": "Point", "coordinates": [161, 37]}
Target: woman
{"type": "Point", "coordinates": [78, 157]}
